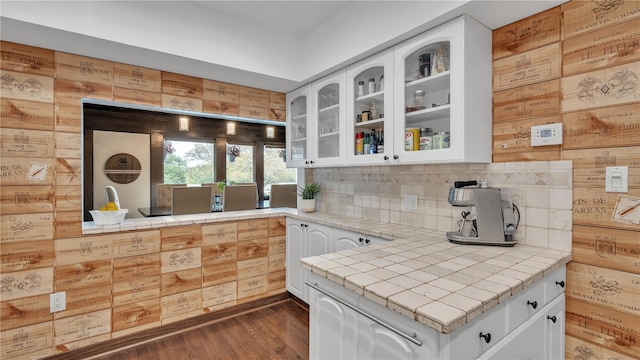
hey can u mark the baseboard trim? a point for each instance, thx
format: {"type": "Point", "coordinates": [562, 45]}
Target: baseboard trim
{"type": "Point", "coordinates": [143, 336]}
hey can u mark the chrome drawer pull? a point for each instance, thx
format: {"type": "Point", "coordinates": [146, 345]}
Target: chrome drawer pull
{"type": "Point", "coordinates": [486, 337]}
{"type": "Point", "coordinates": [561, 283]}
{"type": "Point", "coordinates": [552, 318]}
{"type": "Point", "coordinates": [410, 337]}
{"type": "Point", "coordinates": [534, 304]}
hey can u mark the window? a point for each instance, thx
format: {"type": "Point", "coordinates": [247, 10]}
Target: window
{"type": "Point", "coordinates": [275, 169]}
{"type": "Point", "coordinates": [239, 164]}
{"type": "Point", "coordinates": [188, 162]}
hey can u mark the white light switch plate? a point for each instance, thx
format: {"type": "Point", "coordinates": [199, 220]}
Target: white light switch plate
{"type": "Point", "coordinates": [617, 179]}
{"type": "Point", "coordinates": [549, 134]}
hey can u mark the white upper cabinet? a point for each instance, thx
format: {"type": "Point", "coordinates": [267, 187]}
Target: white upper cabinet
{"type": "Point", "coordinates": [443, 83]}
{"type": "Point", "coordinates": [438, 81]}
{"type": "Point", "coordinates": [329, 115]}
{"type": "Point", "coordinates": [298, 143]}
{"type": "Point", "coordinates": [315, 127]}
{"type": "Point", "coordinates": [369, 137]}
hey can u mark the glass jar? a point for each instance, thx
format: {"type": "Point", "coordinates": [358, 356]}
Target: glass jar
{"type": "Point", "coordinates": [360, 88]}
{"type": "Point", "coordinates": [441, 140]}
{"type": "Point", "coordinates": [426, 138]}
{"type": "Point", "coordinates": [419, 100]}
{"type": "Point", "coordinates": [372, 85]}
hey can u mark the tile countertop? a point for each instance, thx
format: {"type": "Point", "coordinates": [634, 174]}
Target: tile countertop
{"type": "Point", "coordinates": [426, 278]}
{"type": "Point", "coordinates": [90, 228]}
{"type": "Point", "coordinates": [383, 230]}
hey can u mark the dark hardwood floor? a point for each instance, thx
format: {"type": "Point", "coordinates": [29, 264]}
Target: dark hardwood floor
{"type": "Point", "coordinates": [277, 331]}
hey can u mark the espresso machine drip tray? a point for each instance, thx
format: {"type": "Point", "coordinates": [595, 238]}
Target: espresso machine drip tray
{"type": "Point", "coordinates": [456, 237]}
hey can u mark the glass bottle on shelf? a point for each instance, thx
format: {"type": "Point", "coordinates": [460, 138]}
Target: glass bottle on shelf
{"type": "Point", "coordinates": [373, 142]}
{"type": "Point", "coordinates": [366, 145]}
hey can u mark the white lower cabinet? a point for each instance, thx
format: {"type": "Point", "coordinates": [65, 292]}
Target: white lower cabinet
{"type": "Point", "coordinates": [338, 331]}
{"type": "Point", "coordinates": [345, 325]}
{"type": "Point", "coordinates": [344, 239]}
{"type": "Point", "coordinates": [334, 334]}
{"type": "Point", "coordinates": [540, 337]}
{"type": "Point", "coordinates": [306, 239]}
{"type": "Point", "coordinates": [378, 342]}
{"type": "Point", "coordinates": [525, 305]}
{"type": "Point", "coordinates": [303, 240]}
{"type": "Point", "coordinates": [391, 335]}
{"type": "Point", "coordinates": [554, 328]}
{"type": "Point", "coordinates": [295, 250]}
{"type": "Point", "coordinates": [478, 336]}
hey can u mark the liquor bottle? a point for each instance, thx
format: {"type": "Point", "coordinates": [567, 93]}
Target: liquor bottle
{"type": "Point", "coordinates": [373, 142]}
{"type": "Point", "coordinates": [381, 142]}
{"type": "Point", "coordinates": [366, 143]}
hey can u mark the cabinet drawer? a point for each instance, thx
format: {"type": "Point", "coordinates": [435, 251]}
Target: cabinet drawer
{"type": "Point", "coordinates": [466, 343]}
{"type": "Point", "coordinates": [554, 284]}
{"type": "Point", "coordinates": [525, 304]}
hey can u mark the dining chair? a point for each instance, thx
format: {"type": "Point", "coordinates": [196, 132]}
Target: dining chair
{"type": "Point", "coordinates": [165, 193]}
{"type": "Point", "coordinates": [191, 200]}
{"type": "Point", "coordinates": [283, 195]}
{"type": "Point", "coordinates": [240, 197]}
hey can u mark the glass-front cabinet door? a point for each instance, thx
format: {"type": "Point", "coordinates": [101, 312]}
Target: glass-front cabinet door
{"type": "Point", "coordinates": [329, 115]}
{"type": "Point", "coordinates": [442, 95]}
{"type": "Point", "coordinates": [298, 143]}
{"type": "Point", "coordinates": [369, 110]}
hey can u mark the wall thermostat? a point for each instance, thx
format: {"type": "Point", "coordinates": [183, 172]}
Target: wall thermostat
{"type": "Point", "coordinates": [549, 134]}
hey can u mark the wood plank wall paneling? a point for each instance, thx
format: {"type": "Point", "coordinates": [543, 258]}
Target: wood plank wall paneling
{"type": "Point", "coordinates": [593, 92]}
{"type": "Point", "coordinates": [126, 282]}
{"type": "Point", "coordinates": [115, 284]}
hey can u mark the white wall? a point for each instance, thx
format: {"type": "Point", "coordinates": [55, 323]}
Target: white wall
{"type": "Point", "coordinates": [183, 37]}
{"type": "Point", "coordinates": [132, 195]}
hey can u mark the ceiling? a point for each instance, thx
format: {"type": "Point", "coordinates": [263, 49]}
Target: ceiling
{"type": "Point", "coordinates": [295, 18]}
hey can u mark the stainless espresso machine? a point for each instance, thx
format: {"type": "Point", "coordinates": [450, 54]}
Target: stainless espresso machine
{"type": "Point", "coordinates": [496, 217]}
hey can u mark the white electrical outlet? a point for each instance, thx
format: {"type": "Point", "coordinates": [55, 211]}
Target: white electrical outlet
{"type": "Point", "coordinates": [411, 202]}
{"type": "Point", "coordinates": [58, 301]}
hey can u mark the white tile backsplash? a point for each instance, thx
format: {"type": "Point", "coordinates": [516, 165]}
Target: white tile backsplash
{"type": "Point", "coordinates": [541, 190]}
